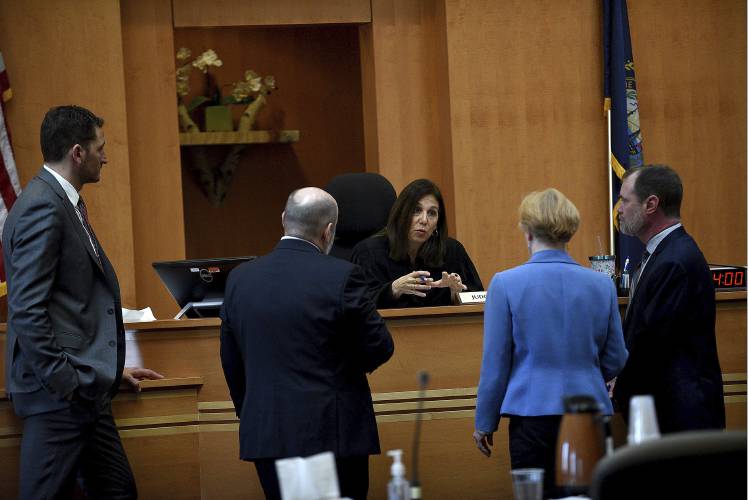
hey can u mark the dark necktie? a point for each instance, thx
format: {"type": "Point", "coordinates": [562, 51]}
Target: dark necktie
{"type": "Point", "coordinates": [637, 273]}
{"type": "Point", "coordinates": [87, 226]}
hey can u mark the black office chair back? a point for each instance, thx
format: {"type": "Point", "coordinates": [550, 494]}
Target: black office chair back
{"type": "Point", "coordinates": [685, 465]}
{"type": "Point", "coordinates": [364, 202]}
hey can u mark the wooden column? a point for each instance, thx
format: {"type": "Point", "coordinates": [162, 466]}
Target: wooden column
{"type": "Point", "coordinates": [406, 94]}
{"type": "Point", "coordinates": [155, 167]}
{"type": "Point", "coordinates": [72, 54]}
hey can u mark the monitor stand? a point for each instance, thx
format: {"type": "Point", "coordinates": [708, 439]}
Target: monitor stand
{"type": "Point", "coordinates": [203, 309]}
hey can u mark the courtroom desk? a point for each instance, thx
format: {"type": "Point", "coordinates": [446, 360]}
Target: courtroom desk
{"type": "Point", "coordinates": [181, 433]}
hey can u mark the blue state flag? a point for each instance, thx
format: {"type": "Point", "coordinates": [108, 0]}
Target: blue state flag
{"type": "Point", "coordinates": [622, 104]}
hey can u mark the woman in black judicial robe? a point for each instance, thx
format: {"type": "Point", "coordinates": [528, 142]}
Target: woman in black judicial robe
{"type": "Point", "coordinates": [412, 262]}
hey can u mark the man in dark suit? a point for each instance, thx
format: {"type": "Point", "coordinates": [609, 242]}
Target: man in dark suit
{"type": "Point", "coordinates": [669, 323]}
{"type": "Point", "coordinates": [298, 336]}
{"type": "Point", "coordinates": [66, 341]}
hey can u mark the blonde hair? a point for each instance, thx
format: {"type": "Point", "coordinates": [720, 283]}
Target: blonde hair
{"type": "Point", "coordinates": [549, 216]}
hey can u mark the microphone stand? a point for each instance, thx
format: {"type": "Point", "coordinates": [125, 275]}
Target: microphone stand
{"type": "Point", "coordinates": [415, 485]}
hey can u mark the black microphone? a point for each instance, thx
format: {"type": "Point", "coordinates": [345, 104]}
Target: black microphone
{"type": "Point", "coordinates": [415, 485]}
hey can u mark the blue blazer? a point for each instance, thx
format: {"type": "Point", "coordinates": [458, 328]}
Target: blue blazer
{"type": "Point", "coordinates": [552, 329]}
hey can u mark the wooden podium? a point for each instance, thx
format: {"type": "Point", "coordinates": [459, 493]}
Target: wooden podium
{"type": "Point", "coordinates": [181, 432]}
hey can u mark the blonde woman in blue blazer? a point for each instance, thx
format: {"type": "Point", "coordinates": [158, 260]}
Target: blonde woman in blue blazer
{"type": "Point", "coordinates": [552, 329]}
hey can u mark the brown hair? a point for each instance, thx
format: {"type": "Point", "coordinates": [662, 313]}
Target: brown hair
{"type": "Point", "coordinates": [661, 181]}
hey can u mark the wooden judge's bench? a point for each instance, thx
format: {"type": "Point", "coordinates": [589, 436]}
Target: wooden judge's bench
{"type": "Point", "coordinates": [180, 433]}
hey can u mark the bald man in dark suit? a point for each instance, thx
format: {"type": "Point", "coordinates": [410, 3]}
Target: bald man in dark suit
{"type": "Point", "coordinates": [298, 336]}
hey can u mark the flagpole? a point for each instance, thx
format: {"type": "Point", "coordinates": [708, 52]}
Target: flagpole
{"type": "Point", "coordinates": [610, 189]}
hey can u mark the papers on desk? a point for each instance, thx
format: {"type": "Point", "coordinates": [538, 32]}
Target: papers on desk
{"type": "Point", "coordinates": [313, 477]}
{"type": "Point", "coordinates": [133, 315]}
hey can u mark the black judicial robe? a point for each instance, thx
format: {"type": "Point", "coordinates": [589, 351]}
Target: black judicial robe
{"type": "Point", "coordinates": [372, 254]}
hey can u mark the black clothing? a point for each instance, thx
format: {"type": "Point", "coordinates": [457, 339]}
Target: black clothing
{"type": "Point", "coordinates": [298, 336]}
{"type": "Point", "coordinates": [670, 335]}
{"type": "Point", "coordinates": [532, 444]}
{"type": "Point", "coordinates": [80, 441]}
{"type": "Point", "coordinates": [373, 255]}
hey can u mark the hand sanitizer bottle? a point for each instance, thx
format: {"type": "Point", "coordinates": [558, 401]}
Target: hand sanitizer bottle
{"type": "Point", "coordinates": [398, 487]}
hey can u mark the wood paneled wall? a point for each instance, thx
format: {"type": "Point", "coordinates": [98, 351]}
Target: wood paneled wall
{"type": "Point", "coordinates": [406, 94]}
{"type": "Point", "coordinates": [155, 171]}
{"type": "Point", "coordinates": [73, 55]}
{"type": "Point", "coordinates": [691, 75]}
{"type": "Point", "coordinates": [193, 13]}
{"type": "Point", "coordinates": [523, 112]}
{"type": "Point", "coordinates": [318, 74]}
{"type": "Point", "coordinates": [526, 100]}
{"type": "Point", "coordinates": [489, 99]}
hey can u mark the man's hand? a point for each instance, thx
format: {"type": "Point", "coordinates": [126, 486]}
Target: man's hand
{"type": "Point", "coordinates": [611, 386]}
{"type": "Point", "coordinates": [484, 440]}
{"type": "Point", "coordinates": [133, 376]}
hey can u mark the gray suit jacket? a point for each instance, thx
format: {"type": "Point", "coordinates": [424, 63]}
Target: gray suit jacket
{"type": "Point", "coordinates": [65, 330]}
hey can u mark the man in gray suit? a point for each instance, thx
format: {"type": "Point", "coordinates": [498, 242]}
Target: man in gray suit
{"type": "Point", "coordinates": [66, 340]}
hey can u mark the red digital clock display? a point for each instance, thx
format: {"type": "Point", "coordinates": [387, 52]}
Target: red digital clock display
{"type": "Point", "coordinates": [728, 276]}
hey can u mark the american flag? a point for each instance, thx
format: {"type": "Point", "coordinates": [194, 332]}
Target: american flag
{"type": "Point", "coordinates": [10, 187]}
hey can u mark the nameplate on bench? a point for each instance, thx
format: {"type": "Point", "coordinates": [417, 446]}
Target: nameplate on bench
{"type": "Point", "coordinates": [472, 297]}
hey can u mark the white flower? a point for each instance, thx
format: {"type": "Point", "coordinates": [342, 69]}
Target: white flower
{"type": "Point", "coordinates": [183, 80]}
{"type": "Point", "coordinates": [183, 53]}
{"type": "Point", "coordinates": [207, 59]}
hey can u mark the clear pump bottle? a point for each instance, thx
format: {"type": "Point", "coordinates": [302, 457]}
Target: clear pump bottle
{"type": "Point", "coordinates": [398, 488]}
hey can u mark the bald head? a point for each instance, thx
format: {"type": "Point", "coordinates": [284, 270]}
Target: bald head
{"type": "Point", "coordinates": [310, 213]}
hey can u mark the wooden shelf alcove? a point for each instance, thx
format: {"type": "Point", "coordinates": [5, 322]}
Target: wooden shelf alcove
{"type": "Point", "coordinates": [237, 137]}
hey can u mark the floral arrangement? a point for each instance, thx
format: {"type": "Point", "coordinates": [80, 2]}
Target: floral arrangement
{"type": "Point", "coordinates": [251, 91]}
{"type": "Point", "coordinates": [251, 87]}
{"type": "Point", "coordinates": [215, 179]}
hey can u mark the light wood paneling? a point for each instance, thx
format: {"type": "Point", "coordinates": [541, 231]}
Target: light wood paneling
{"type": "Point", "coordinates": [524, 92]}
{"type": "Point", "coordinates": [176, 425]}
{"type": "Point", "coordinates": [691, 75]}
{"type": "Point", "coordinates": [406, 88]}
{"type": "Point", "coordinates": [165, 466]}
{"type": "Point", "coordinates": [193, 13]}
{"type": "Point", "coordinates": [731, 321]}
{"type": "Point", "coordinates": [318, 75]}
{"type": "Point", "coordinates": [447, 458]}
{"type": "Point", "coordinates": [155, 167]}
{"type": "Point", "coordinates": [57, 56]}
{"type": "Point", "coordinates": [221, 470]}
{"type": "Point", "coordinates": [526, 114]}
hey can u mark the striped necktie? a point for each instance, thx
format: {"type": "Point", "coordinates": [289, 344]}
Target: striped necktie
{"type": "Point", "coordinates": [87, 226]}
{"type": "Point", "coordinates": [637, 273]}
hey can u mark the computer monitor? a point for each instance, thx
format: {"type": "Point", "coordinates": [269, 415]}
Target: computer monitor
{"type": "Point", "coordinates": [198, 285]}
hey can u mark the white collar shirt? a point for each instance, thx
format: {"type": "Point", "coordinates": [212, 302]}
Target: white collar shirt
{"type": "Point", "coordinates": [655, 240]}
{"type": "Point", "coordinates": [74, 197]}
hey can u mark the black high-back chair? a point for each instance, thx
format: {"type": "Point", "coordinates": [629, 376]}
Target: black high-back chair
{"type": "Point", "coordinates": [685, 465]}
{"type": "Point", "coordinates": [364, 202]}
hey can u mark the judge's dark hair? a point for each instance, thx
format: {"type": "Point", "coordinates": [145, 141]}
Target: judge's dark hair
{"type": "Point", "coordinates": [65, 126]}
{"type": "Point", "coordinates": [401, 217]}
{"type": "Point", "coordinates": [661, 181]}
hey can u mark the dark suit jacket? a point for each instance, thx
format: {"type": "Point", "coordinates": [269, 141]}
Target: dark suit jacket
{"type": "Point", "coordinates": [65, 329]}
{"type": "Point", "coordinates": [669, 332]}
{"type": "Point", "coordinates": [298, 336]}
